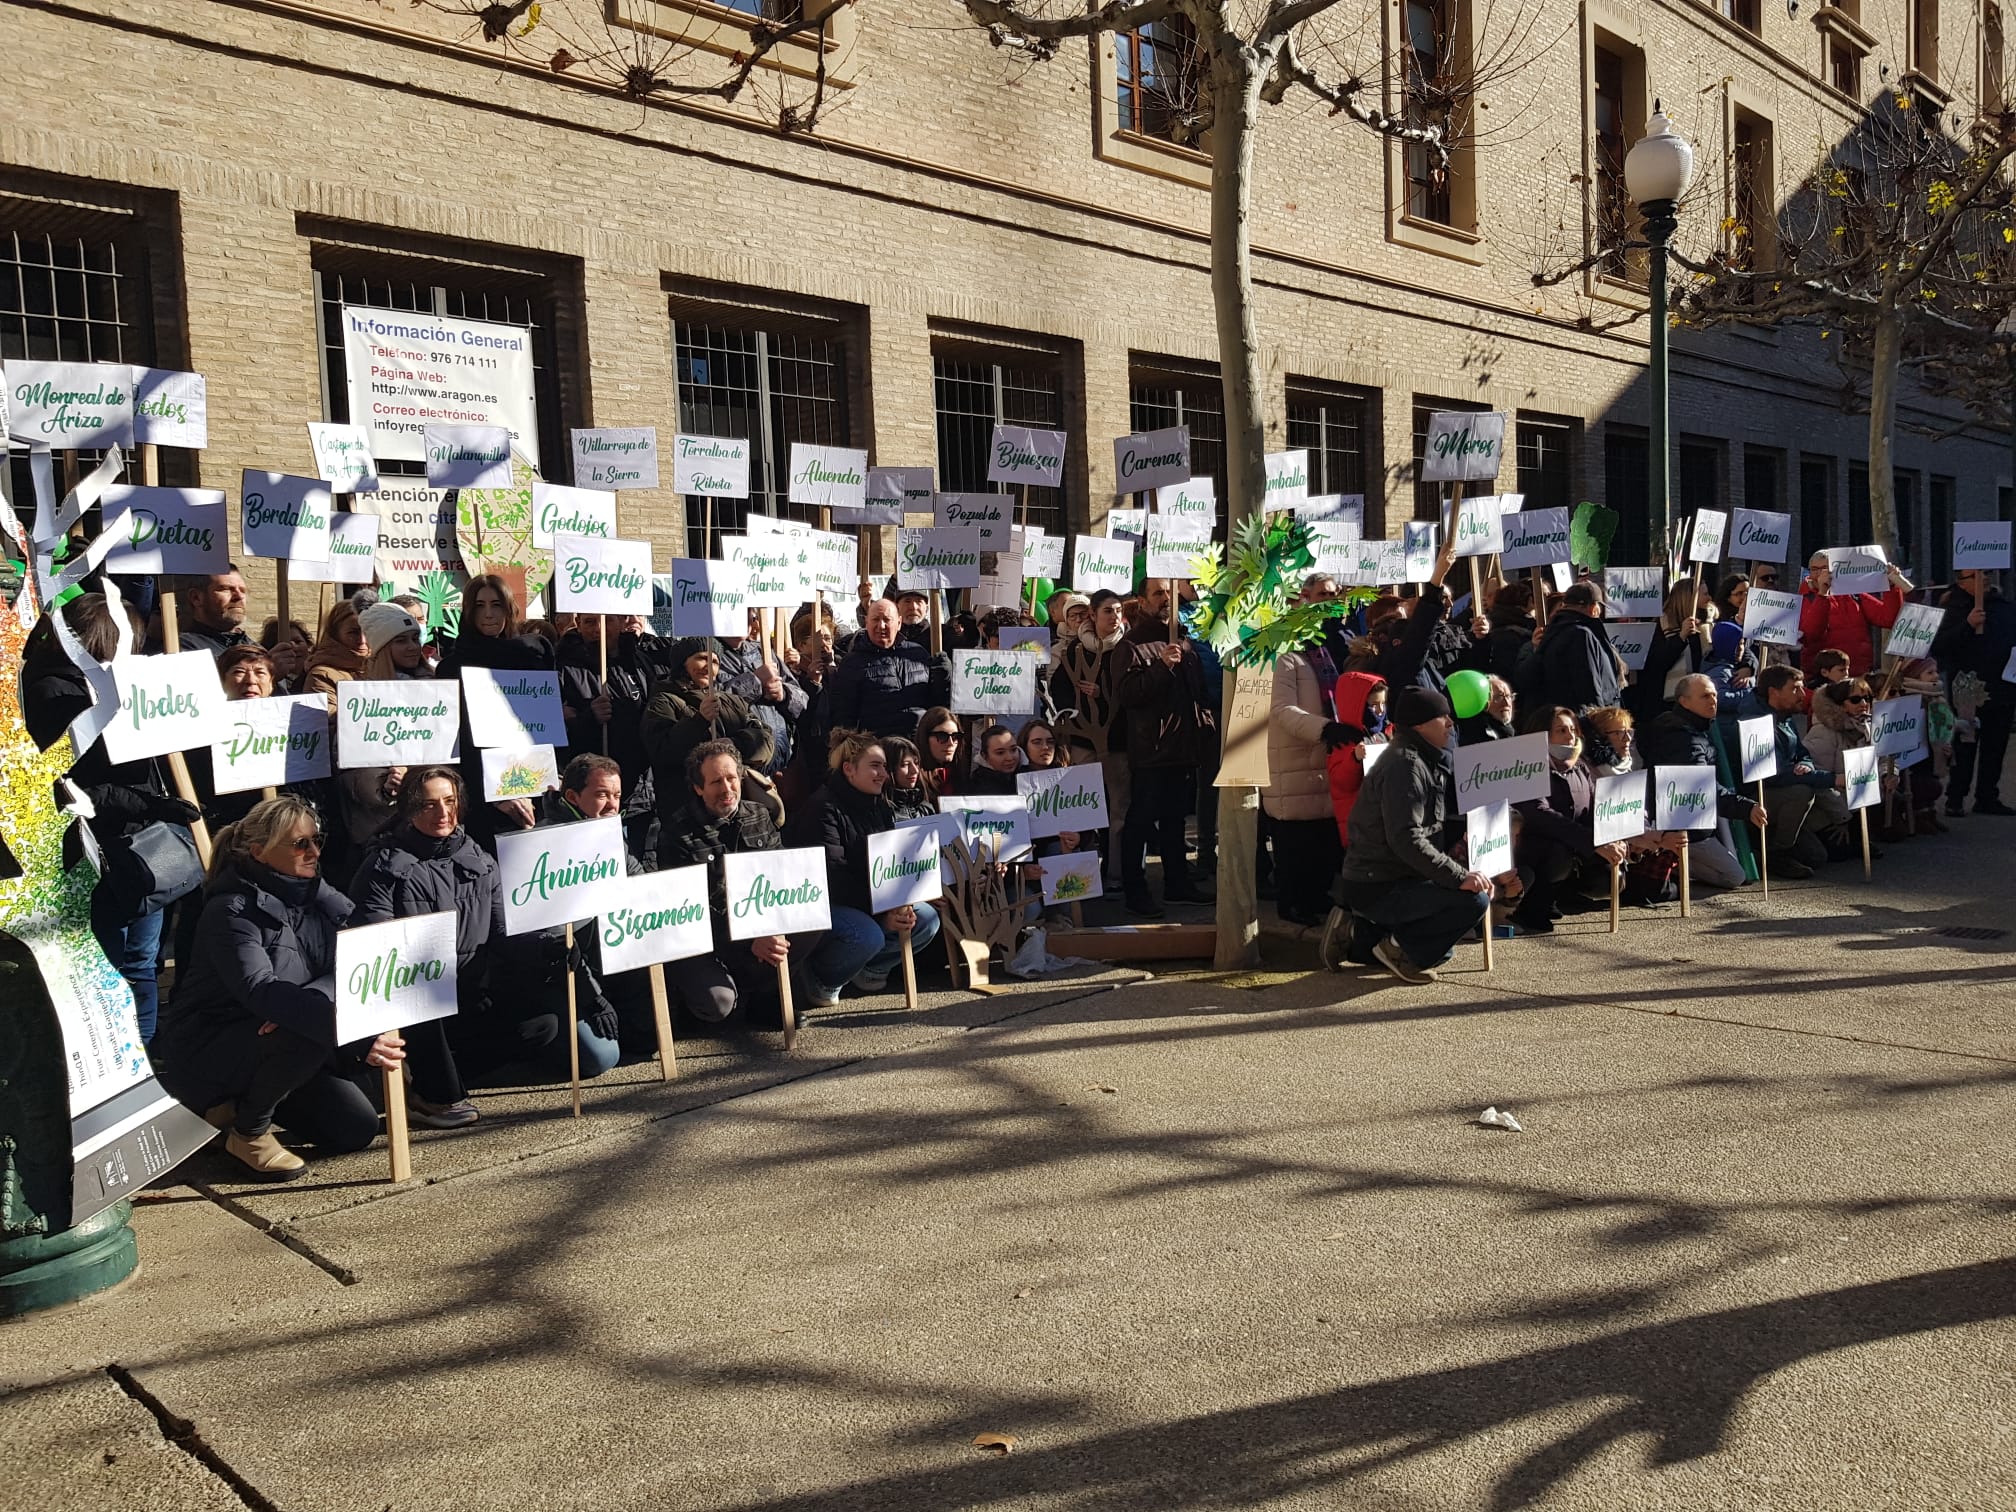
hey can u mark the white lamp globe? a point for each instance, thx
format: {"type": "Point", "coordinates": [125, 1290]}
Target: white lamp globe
{"type": "Point", "coordinates": [1660, 165]}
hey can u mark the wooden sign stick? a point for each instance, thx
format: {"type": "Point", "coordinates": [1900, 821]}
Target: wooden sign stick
{"type": "Point", "coordinates": [909, 971]}
{"type": "Point", "coordinates": [937, 625]}
{"type": "Point", "coordinates": [178, 763]}
{"type": "Point", "coordinates": [766, 627]}
{"type": "Point", "coordinates": [1540, 595]}
{"type": "Point", "coordinates": [784, 1007]}
{"type": "Point", "coordinates": [1489, 927]}
{"type": "Point", "coordinates": [602, 668]}
{"type": "Point", "coordinates": [661, 1015]}
{"type": "Point", "coordinates": [1763, 846]}
{"type": "Point", "coordinates": [1616, 895]}
{"type": "Point", "coordinates": [1686, 877]}
{"type": "Point", "coordinates": [396, 1141]}
{"type": "Point", "coordinates": [1867, 874]}
{"type": "Point", "coordinates": [573, 1025]}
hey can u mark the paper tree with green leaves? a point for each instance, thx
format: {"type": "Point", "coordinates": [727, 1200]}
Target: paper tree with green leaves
{"type": "Point", "coordinates": [1246, 590]}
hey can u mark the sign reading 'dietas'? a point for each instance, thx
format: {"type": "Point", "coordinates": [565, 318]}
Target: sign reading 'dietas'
{"type": "Point", "coordinates": [270, 742]}
{"type": "Point", "coordinates": [558, 510]}
{"type": "Point", "coordinates": [654, 917]}
{"type": "Point", "coordinates": [394, 974]}
{"type": "Point", "coordinates": [559, 873]}
{"type": "Point", "coordinates": [353, 552]}
{"type": "Point", "coordinates": [626, 457]}
{"type": "Point", "coordinates": [776, 892]}
{"type": "Point", "coordinates": [166, 703]}
{"type": "Point", "coordinates": [397, 723]}
{"type": "Point", "coordinates": [285, 516]}
{"type": "Point", "coordinates": [597, 575]}
{"type": "Point", "coordinates": [165, 530]}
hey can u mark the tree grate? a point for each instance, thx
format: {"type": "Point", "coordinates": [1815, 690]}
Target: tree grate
{"type": "Point", "coordinates": [1969, 932]}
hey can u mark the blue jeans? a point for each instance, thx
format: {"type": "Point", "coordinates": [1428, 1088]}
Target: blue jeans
{"type": "Point", "coordinates": [857, 943]}
{"type": "Point", "coordinates": [1424, 918]}
{"type": "Point", "coordinates": [133, 946]}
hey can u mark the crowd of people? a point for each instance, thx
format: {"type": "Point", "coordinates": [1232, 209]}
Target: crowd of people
{"type": "Point", "coordinates": [838, 731]}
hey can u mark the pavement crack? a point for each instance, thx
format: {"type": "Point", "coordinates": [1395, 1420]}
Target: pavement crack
{"type": "Point", "coordinates": [185, 1436]}
{"type": "Point", "coordinates": [280, 1234]}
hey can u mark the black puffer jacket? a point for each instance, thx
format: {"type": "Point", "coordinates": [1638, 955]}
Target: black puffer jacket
{"type": "Point", "coordinates": [838, 819]}
{"type": "Point", "coordinates": [886, 692]}
{"type": "Point", "coordinates": [1575, 666]}
{"type": "Point", "coordinates": [741, 674]}
{"type": "Point", "coordinates": [503, 653]}
{"type": "Point", "coordinates": [637, 664]}
{"type": "Point", "coordinates": [1169, 722]}
{"type": "Point", "coordinates": [261, 940]}
{"type": "Point", "coordinates": [1396, 829]}
{"type": "Point", "coordinates": [673, 727]}
{"type": "Point", "coordinates": [405, 873]}
{"type": "Point", "coordinates": [693, 836]}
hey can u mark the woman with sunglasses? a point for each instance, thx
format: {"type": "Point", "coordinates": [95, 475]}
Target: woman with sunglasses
{"type": "Point", "coordinates": [941, 742]}
{"type": "Point", "coordinates": [247, 1037]}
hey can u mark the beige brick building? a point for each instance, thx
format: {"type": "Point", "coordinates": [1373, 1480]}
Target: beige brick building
{"type": "Point", "coordinates": [968, 234]}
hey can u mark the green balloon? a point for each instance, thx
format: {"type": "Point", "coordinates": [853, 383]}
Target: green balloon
{"type": "Point", "coordinates": [1469, 692]}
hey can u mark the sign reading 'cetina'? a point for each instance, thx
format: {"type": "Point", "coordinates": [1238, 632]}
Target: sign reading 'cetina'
{"type": "Point", "coordinates": [165, 530]}
{"type": "Point", "coordinates": [1462, 447]}
{"type": "Point", "coordinates": [166, 703]}
{"type": "Point", "coordinates": [1502, 771]}
{"type": "Point", "coordinates": [397, 723]}
{"type": "Point", "coordinates": [1021, 455]}
{"type": "Point", "coordinates": [560, 873]}
{"type": "Point", "coordinates": [776, 892]}
{"type": "Point", "coordinates": [394, 974]}
{"type": "Point", "coordinates": [270, 742]}
{"type": "Point", "coordinates": [1760, 535]}
{"type": "Point", "coordinates": [903, 869]}
{"type": "Point", "coordinates": [353, 552]}
{"type": "Point", "coordinates": [829, 475]}
{"type": "Point", "coordinates": [596, 575]}
{"type": "Point", "coordinates": [938, 558]}
{"type": "Point", "coordinates": [658, 916]}
{"type": "Point", "coordinates": [467, 456]}
{"type": "Point", "coordinates": [1152, 460]}
{"type": "Point", "coordinates": [62, 405]}
{"type": "Point", "coordinates": [558, 510]}
{"type": "Point", "coordinates": [621, 458]}
{"type": "Point", "coordinates": [285, 516]}
{"type": "Point", "coordinates": [709, 597]}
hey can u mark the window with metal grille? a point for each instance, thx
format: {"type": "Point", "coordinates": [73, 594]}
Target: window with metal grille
{"type": "Point", "coordinates": [1161, 396]}
{"type": "Point", "coordinates": [1339, 428]}
{"type": "Point", "coordinates": [1700, 480]}
{"type": "Point", "coordinates": [1546, 451]}
{"type": "Point", "coordinates": [974, 395]}
{"type": "Point", "coordinates": [1939, 563]}
{"type": "Point", "coordinates": [1612, 200]}
{"type": "Point", "coordinates": [1816, 504]}
{"type": "Point", "coordinates": [1860, 524]}
{"type": "Point", "coordinates": [1428, 62]}
{"type": "Point", "coordinates": [1429, 497]}
{"type": "Point", "coordinates": [1158, 76]}
{"type": "Point", "coordinates": [1627, 485]}
{"type": "Point", "coordinates": [1905, 501]}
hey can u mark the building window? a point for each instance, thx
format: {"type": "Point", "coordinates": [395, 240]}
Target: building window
{"type": "Point", "coordinates": [1339, 428]}
{"type": "Point", "coordinates": [1742, 12]}
{"type": "Point", "coordinates": [1546, 447]}
{"type": "Point", "coordinates": [1816, 504]}
{"type": "Point", "coordinates": [1845, 43]}
{"type": "Point", "coordinates": [1162, 394]}
{"type": "Point", "coordinates": [1844, 68]}
{"type": "Point", "coordinates": [1627, 489]}
{"type": "Point", "coordinates": [1904, 499]}
{"type": "Point", "coordinates": [1430, 62]}
{"type": "Point", "coordinates": [980, 386]}
{"type": "Point", "coordinates": [1702, 465]}
{"type": "Point", "coordinates": [1763, 479]}
{"type": "Point", "coordinates": [1925, 39]}
{"type": "Point", "coordinates": [1861, 527]}
{"type": "Point", "coordinates": [1158, 75]}
{"type": "Point", "coordinates": [1753, 200]}
{"type": "Point", "coordinates": [1939, 556]}
{"type": "Point", "coordinates": [1617, 119]}
{"type": "Point", "coordinates": [1429, 497]}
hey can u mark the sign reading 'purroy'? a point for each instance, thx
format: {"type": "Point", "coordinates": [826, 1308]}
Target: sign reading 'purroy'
{"type": "Point", "coordinates": [270, 742]}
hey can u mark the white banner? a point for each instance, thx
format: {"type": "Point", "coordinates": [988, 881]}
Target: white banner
{"type": "Point", "coordinates": [560, 873]}
{"type": "Point", "coordinates": [398, 723]}
{"type": "Point", "coordinates": [1857, 569]}
{"type": "Point", "coordinates": [1101, 562]}
{"type": "Point", "coordinates": [1287, 485]}
{"type": "Point", "coordinates": [394, 974]}
{"type": "Point", "coordinates": [1480, 526]}
{"type": "Point", "coordinates": [989, 513]}
{"type": "Point", "coordinates": [1074, 877]}
{"type": "Point", "coordinates": [1489, 831]}
{"type": "Point", "coordinates": [892, 493]}
{"type": "Point", "coordinates": [1911, 637]}
{"type": "Point", "coordinates": [1335, 544]}
{"type": "Point", "coordinates": [522, 773]}
{"type": "Point", "coordinates": [932, 558]}
{"type": "Point", "coordinates": [830, 475]}
{"type": "Point", "coordinates": [1152, 460]}
{"type": "Point", "coordinates": [1463, 447]}
{"type": "Point", "coordinates": [709, 598]}
{"type": "Point", "coordinates": [1759, 740]}
{"type": "Point", "coordinates": [596, 576]}
{"type": "Point", "coordinates": [343, 457]}
{"type": "Point", "coordinates": [776, 892]}
{"type": "Point", "coordinates": [1980, 545]}
{"type": "Point", "coordinates": [835, 562]}
{"type": "Point", "coordinates": [166, 703]}
{"type": "Point", "coordinates": [1683, 797]}
{"type": "Point", "coordinates": [1064, 799]}
{"type": "Point", "coordinates": [994, 682]}
{"type": "Point", "coordinates": [271, 742]}
{"type": "Point", "coordinates": [1534, 538]}
{"type": "Point", "coordinates": [285, 516]}
{"type": "Point", "coordinates": [353, 552]}
{"type": "Point", "coordinates": [513, 708]}
{"type": "Point", "coordinates": [407, 370]}
{"type": "Point", "coordinates": [560, 510]}
{"type": "Point", "coordinates": [1174, 544]}
{"type": "Point", "coordinates": [165, 530]}
{"type": "Point", "coordinates": [1127, 525]}
{"type": "Point", "coordinates": [1897, 725]}
{"type": "Point", "coordinates": [170, 408]}
{"type": "Point", "coordinates": [1190, 505]}
{"type": "Point", "coordinates": [1620, 808]}
{"type": "Point", "coordinates": [771, 561]}
{"type": "Point", "coordinates": [1632, 642]}
{"type": "Point", "coordinates": [994, 824]}
{"type": "Point", "coordinates": [1502, 771]}
{"type": "Point", "coordinates": [903, 869]}
{"type": "Point", "coordinates": [622, 457]}
{"type": "Point", "coordinates": [1704, 543]}
{"type": "Point", "coordinates": [1634, 593]}
{"type": "Point", "coordinates": [1771, 618]}
{"type": "Point", "coordinates": [1042, 555]}
{"type": "Point", "coordinates": [416, 533]}
{"type": "Point", "coordinates": [658, 916]}
{"type": "Point", "coordinates": [66, 405]}
{"type": "Point", "coordinates": [1759, 535]}
{"type": "Point", "coordinates": [1858, 765]}
{"type": "Point", "coordinates": [467, 456]}
{"type": "Point", "coordinates": [1019, 454]}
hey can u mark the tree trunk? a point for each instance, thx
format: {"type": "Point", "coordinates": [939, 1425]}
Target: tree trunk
{"type": "Point", "coordinates": [1235, 81]}
{"type": "Point", "coordinates": [1886, 341]}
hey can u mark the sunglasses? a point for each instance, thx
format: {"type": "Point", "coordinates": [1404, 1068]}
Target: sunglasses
{"type": "Point", "coordinates": [1767, 582]}
{"type": "Point", "coordinates": [1855, 698]}
{"type": "Point", "coordinates": [306, 843]}
{"type": "Point", "coordinates": [944, 734]}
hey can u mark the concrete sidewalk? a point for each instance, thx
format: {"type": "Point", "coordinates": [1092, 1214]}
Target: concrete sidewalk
{"type": "Point", "coordinates": [1195, 1242]}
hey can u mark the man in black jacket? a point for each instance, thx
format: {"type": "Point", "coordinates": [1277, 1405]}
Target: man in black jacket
{"type": "Point", "coordinates": [213, 613]}
{"type": "Point", "coordinates": [1398, 874]}
{"type": "Point", "coordinates": [1978, 635]}
{"type": "Point", "coordinates": [774, 694]}
{"type": "Point", "coordinates": [613, 712]}
{"type": "Point", "coordinates": [1574, 665]}
{"type": "Point", "coordinates": [1685, 735]}
{"type": "Point", "coordinates": [1169, 726]}
{"type": "Point", "coordinates": [885, 683]}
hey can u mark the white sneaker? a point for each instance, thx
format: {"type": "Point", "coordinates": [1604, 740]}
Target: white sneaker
{"type": "Point", "coordinates": [866, 983]}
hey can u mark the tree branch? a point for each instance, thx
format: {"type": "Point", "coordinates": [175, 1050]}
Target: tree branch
{"type": "Point", "coordinates": [1345, 98]}
{"type": "Point", "coordinates": [1005, 22]}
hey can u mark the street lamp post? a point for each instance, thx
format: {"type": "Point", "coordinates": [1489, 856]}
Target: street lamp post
{"type": "Point", "coordinates": [1656, 173]}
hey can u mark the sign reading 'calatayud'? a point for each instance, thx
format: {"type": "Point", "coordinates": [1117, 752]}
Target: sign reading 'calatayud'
{"type": "Point", "coordinates": [776, 892]}
{"type": "Point", "coordinates": [560, 873]}
{"type": "Point", "coordinates": [903, 869]}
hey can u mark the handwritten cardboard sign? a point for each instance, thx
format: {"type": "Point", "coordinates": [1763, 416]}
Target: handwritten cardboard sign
{"type": "Point", "coordinates": [1019, 454]}
{"type": "Point", "coordinates": [1489, 831]}
{"type": "Point", "coordinates": [170, 408]}
{"type": "Point", "coordinates": [285, 516]}
{"type": "Point", "coordinates": [600, 575]}
{"type": "Point", "coordinates": [166, 703]}
{"type": "Point", "coordinates": [165, 530]}
{"type": "Point", "coordinates": [1911, 637]}
{"type": "Point", "coordinates": [1534, 538]}
{"type": "Point", "coordinates": [1897, 725]}
{"type": "Point", "coordinates": [398, 723]}
{"type": "Point", "coordinates": [931, 558]}
{"type": "Point", "coordinates": [1634, 593]}
{"type": "Point", "coordinates": [776, 892]}
{"type": "Point", "coordinates": [394, 974]}
{"type": "Point", "coordinates": [621, 457]}
{"type": "Point", "coordinates": [1759, 740]}
{"type": "Point", "coordinates": [1244, 760]}
{"type": "Point", "coordinates": [1064, 800]}
{"type": "Point", "coordinates": [995, 826]}
{"type": "Point", "coordinates": [1502, 771]}
{"type": "Point", "coordinates": [343, 457]}
{"type": "Point", "coordinates": [654, 917]}
{"type": "Point", "coordinates": [1760, 535]}
{"type": "Point", "coordinates": [1980, 545]}
{"type": "Point", "coordinates": [1287, 480]}
{"type": "Point", "coordinates": [1619, 813]}
{"type": "Point", "coordinates": [1073, 877]}
{"type": "Point", "coordinates": [903, 869]}
{"type": "Point", "coordinates": [1129, 525]}
{"type": "Point", "coordinates": [1704, 542]}
{"type": "Point", "coordinates": [559, 873]}
{"type": "Point", "coordinates": [1864, 790]}
{"type": "Point", "coordinates": [709, 598]}
{"type": "Point", "coordinates": [1480, 526]}
{"type": "Point", "coordinates": [1771, 618]}
{"type": "Point", "coordinates": [467, 456]}
{"type": "Point", "coordinates": [1683, 798]}
{"type": "Point", "coordinates": [892, 493]}
{"type": "Point", "coordinates": [989, 513]}
{"type": "Point", "coordinates": [513, 708]}
{"type": "Point", "coordinates": [1462, 447]}
{"type": "Point", "coordinates": [353, 552]}
{"type": "Point", "coordinates": [994, 682]}
{"type": "Point", "coordinates": [833, 476]}
{"type": "Point", "coordinates": [524, 772]}
{"type": "Point", "coordinates": [270, 742]}
{"type": "Point", "coordinates": [560, 510]}
{"type": "Point", "coordinates": [1152, 460]}
{"type": "Point", "coordinates": [65, 405]}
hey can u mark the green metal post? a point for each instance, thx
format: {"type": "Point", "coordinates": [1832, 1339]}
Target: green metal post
{"type": "Point", "coordinates": [1660, 224]}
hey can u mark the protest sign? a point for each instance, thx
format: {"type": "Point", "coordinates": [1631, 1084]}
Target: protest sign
{"type": "Point", "coordinates": [166, 703]}
{"type": "Point", "coordinates": [2009, 669]}
{"type": "Point", "coordinates": [1014, 637]}
{"type": "Point", "coordinates": [559, 873]}
{"type": "Point", "coordinates": [560, 510]}
{"type": "Point", "coordinates": [598, 575]}
{"type": "Point", "coordinates": [1633, 592]}
{"type": "Point", "coordinates": [170, 408]}
{"type": "Point", "coordinates": [712, 466]}
{"type": "Point", "coordinates": [1620, 808]}
{"type": "Point", "coordinates": [513, 708]}
{"type": "Point", "coordinates": [1704, 542]}
{"type": "Point", "coordinates": [1489, 831]}
{"type": "Point", "coordinates": [1759, 740]}
{"type": "Point", "coordinates": [343, 457]}
{"type": "Point", "coordinates": [775, 579]}
{"type": "Point", "coordinates": [931, 558]}
{"type": "Point", "coordinates": [1863, 790]}
{"type": "Point", "coordinates": [270, 742]}
{"type": "Point", "coordinates": [1683, 797]}
{"type": "Point", "coordinates": [1074, 877]}
{"type": "Point", "coordinates": [1174, 544]}
{"type": "Point", "coordinates": [1417, 551]}
{"type": "Point", "coordinates": [709, 598]}
{"type": "Point", "coordinates": [1911, 637]}
{"type": "Point", "coordinates": [944, 830]}
{"type": "Point", "coordinates": [1003, 585]}
{"type": "Point", "coordinates": [165, 530]}
{"type": "Point", "coordinates": [996, 825]}
{"type": "Point", "coordinates": [831, 476]}
{"type": "Point", "coordinates": [1563, 574]}
{"type": "Point", "coordinates": [394, 974]}
{"type": "Point", "coordinates": [1759, 535]}
{"type": "Point", "coordinates": [68, 405]}
{"type": "Point", "coordinates": [903, 869]}
{"type": "Point", "coordinates": [1897, 725]}
{"type": "Point", "coordinates": [1462, 447]}
{"type": "Point", "coordinates": [1501, 771]}
{"type": "Point", "coordinates": [468, 456]}
{"type": "Point", "coordinates": [993, 682]}
{"type": "Point", "coordinates": [1193, 503]}
{"type": "Point", "coordinates": [1127, 525]}
{"type": "Point", "coordinates": [1019, 454]}
{"type": "Point", "coordinates": [1287, 483]}
{"type": "Point", "coordinates": [1534, 538]}
{"type": "Point", "coordinates": [892, 493]}
{"type": "Point", "coordinates": [655, 917]}
{"type": "Point", "coordinates": [776, 892]}
{"type": "Point", "coordinates": [1632, 642]}
{"type": "Point", "coordinates": [1152, 460]}
{"type": "Point", "coordinates": [1042, 555]}
{"type": "Point", "coordinates": [285, 516]}
{"type": "Point", "coordinates": [1243, 762]}
{"type": "Point", "coordinates": [1064, 799]}
{"type": "Point", "coordinates": [1771, 618]}
{"type": "Point", "coordinates": [623, 457]}
{"type": "Point", "coordinates": [407, 370]}
{"type": "Point", "coordinates": [1980, 545]}
{"type": "Point", "coordinates": [1101, 562]}
{"type": "Point", "coordinates": [398, 723]}
{"type": "Point", "coordinates": [1480, 526]}
{"type": "Point", "coordinates": [522, 773]}
{"type": "Point", "coordinates": [353, 552]}
{"type": "Point", "coordinates": [989, 513]}
{"type": "Point", "coordinates": [835, 561]}
{"type": "Point", "coordinates": [1334, 544]}
{"type": "Point", "coordinates": [1858, 569]}
{"type": "Point", "coordinates": [1339, 507]}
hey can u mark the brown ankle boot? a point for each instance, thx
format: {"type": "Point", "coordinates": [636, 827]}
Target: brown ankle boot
{"type": "Point", "coordinates": [264, 1156]}
{"type": "Point", "coordinates": [221, 1116]}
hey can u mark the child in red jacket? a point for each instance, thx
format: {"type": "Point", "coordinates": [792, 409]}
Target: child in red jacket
{"type": "Point", "coordinates": [1360, 706]}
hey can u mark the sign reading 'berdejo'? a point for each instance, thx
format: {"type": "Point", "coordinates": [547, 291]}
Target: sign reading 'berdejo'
{"type": "Point", "coordinates": [594, 575]}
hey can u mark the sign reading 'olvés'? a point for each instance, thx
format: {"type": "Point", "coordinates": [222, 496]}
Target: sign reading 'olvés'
{"type": "Point", "coordinates": [593, 575]}
{"type": "Point", "coordinates": [394, 974]}
{"type": "Point", "coordinates": [903, 869]}
{"type": "Point", "coordinates": [1502, 771]}
{"type": "Point", "coordinates": [994, 682]}
{"type": "Point", "coordinates": [1462, 447]}
{"type": "Point", "coordinates": [1480, 527]}
{"type": "Point", "coordinates": [1063, 800]}
{"type": "Point", "coordinates": [714, 466]}
{"type": "Point", "coordinates": [560, 510]}
{"type": "Point", "coordinates": [1620, 808]}
{"type": "Point", "coordinates": [353, 552]}
{"type": "Point", "coordinates": [1019, 454]}
{"type": "Point", "coordinates": [658, 916]}
{"type": "Point", "coordinates": [938, 558]}
{"type": "Point", "coordinates": [271, 742]}
{"type": "Point", "coordinates": [621, 458]}
{"type": "Point", "coordinates": [166, 703]}
{"type": "Point", "coordinates": [410, 723]}
{"type": "Point", "coordinates": [165, 530]}
{"type": "Point", "coordinates": [513, 708]}
{"type": "Point", "coordinates": [829, 475]}
{"type": "Point", "coordinates": [1683, 797]}
{"type": "Point", "coordinates": [776, 892]}
{"type": "Point", "coordinates": [560, 873]}
{"type": "Point", "coordinates": [710, 598]}
{"type": "Point", "coordinates": [285, 516]}
{"type": "Point", "coordinates": [1152, 460]}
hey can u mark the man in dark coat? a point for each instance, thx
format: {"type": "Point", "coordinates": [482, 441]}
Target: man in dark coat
{"type": "Point", "coordinates": [1574, 665]}
{"type": "Point", "coordinates": [1808, 812]}
{"type": "Point", "coordinates": [774, 694]}
{"type": "Point", "coordinates": [595, 710]}
{"type": "Point", "coordinates": [885, 683]}
{"type": "Point", "coordinates": [1169, 725]}
{"type": "Point", "coordinates": [212, 614]}
{"type": "Point", "coordinates": [1978, 635]}
{"type": "Point", "coordinates": [1685, 735]}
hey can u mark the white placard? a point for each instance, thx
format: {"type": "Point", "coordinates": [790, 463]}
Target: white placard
{"type": "Point", "coordinates": [1760, 535]}
{"type": "Point", "coordinates": [270, 742]}
{"type": "Point", "coordinates": [353, 552]}
{"type": "Point", "coordinates": [1193, 503]}
{"type": "Point", "coordinates": [658, 916]}
{"type": "Point", "coordinates": [416, 533]}
{"type": "Point", "coordinates": [1174, 544]}
{"type": "Point", "coordinates": [892, 493]}
{"type": "Point", "coordinates": [1002, 586]}
{"type": "Point", "coordinates": [513, 708]}
{"type": "Point", "coordinates": [1634, 593]}
{"type": "Point", "coordinates": [2009, 669]}
{"type": "Point", "coordinates": [525, 772]}
{"type": "Point", "coordinates": [1857, 569]}
{"type": "Point", "coordinates": [1704, 543]}
{"type": "Point", "coordinates": [1534, 538]}
{"type": "Point", "coordinates": [593, 575]}
{"type": "Point", "coordinates": [1013, 637]}
{"type": "Point", "coordinates": [775, 579]}
{"type": "Point", "coordinates": [1619, 813]}
{"type": "Point", "coordinates": [1418, 550]}
{"type": "Point", "coordinates": [560, 510]}
{"type": "Point", "coordinates": [285, 516]}
{"type": "Point", "coordinates": [1771, 618]}
{"type": "Point", "coordinates": [996, 825]}
{"type": "Point", "coordinates": [1911, 637]}
{"type": "Point", "coordinates": [944, 830]}
{"type": "Point", "coordinates": [1151, 460]}
{"type": "Point", "coordinates": [1980, 545]}
{"type": "Point", "coordinates": [170, 408]}
{"type": "Point", "coordinates": [828, 475]}
{"type": "Point", "coordinates": [709, 598]}
{"type": "Point", "coordinates": [1334, 544]}
{"type": "Point", "coordinates": [1018, 454]}
{"type": "Point", "coordinates": [1489, 831]}
{"type": "Point", "coordinates": [1042, 555]}
{"type": "Point", "coordinates": [559, 873]}
{"type": "Point", "coordinates": [1101, 562]}
{"type": "Point", "coordinates": [65, 405]}
{"type": "Point", "coordinates": [1563, 574]}
{"type": "Point", "coordinates": [930, 558]}
{"type": "Point", "coordinates": [712, 466]}
{"type": "Point", "coordinates": [166, 703]}
{"type": "Point", "coordinates": [407, 370]}
{"type": "Point", "coordinates": [1863, 789]}
{"type": "Point", "coordinates": [399, 722]}
{"type": "Point", "coordinates": [989, 513]}
{"type": "Point", "coordinates": [622, 457]}
{"type": "Point", "coordinates": [835, 561]}
{"type": "Point", "coordinates": [1480, 526]}
{"type": "Point", "coordinates": [467, 456]}
{"type": "Point", "coordinates": [1632, 642]}
{"type": "Point", "coordinates": [1502, 771]}
{"type": "Point", "coordinates": [903, 869]}
{"type": "Point", "coordinates": [994, 682]}
{"type": "Point", "coordinates": [1064, 799]}
{"type": "Point", "coordinates": [343, 457]}
{"type": "Point", "coordinates": [776, 892]}
{"type": "Point", "coordinates": [1759, 740]}
{"type": "Point", "coordinates": [1127, 525]}
{"type": "Point", "coordinates": [1349, 507]}
{"type": "Point", "coordinates": [395, 974]}
{"type": "Point", "coordinates": [1075, 877]}
{"type": "Point", "coordinates": [165, 530]}
{"type": "Point", "coordinates": [1897, 725]}
{"type": "Point", "coordinates": [1683, 797]}
{"type": "Point", "coordinates": [1462, 447]}
{"type": "Point", "coordinates": [1287, 484]}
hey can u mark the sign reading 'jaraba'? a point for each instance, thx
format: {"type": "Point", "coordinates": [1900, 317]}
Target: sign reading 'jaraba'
{"type": "Point", "coordinates": [271, 742]}
{"type": "Point", "coordinates": [658, 916]}
{"type": "Point", "coordinates": [1502, 771]}
{"type": "Point", "coordinates": [165, 530]}
{"type": "Point", "coordinates": [394, 974]}
{"type": "Point", "coordinates": [776, 892]}
{"type": "Point", "coordinates": [560, 873]}
{"type": "Point", "coordinates": [1897, 725]}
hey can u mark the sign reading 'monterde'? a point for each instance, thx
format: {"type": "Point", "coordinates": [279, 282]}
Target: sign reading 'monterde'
{"type": "Point", "coordinates": [407, 370]}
